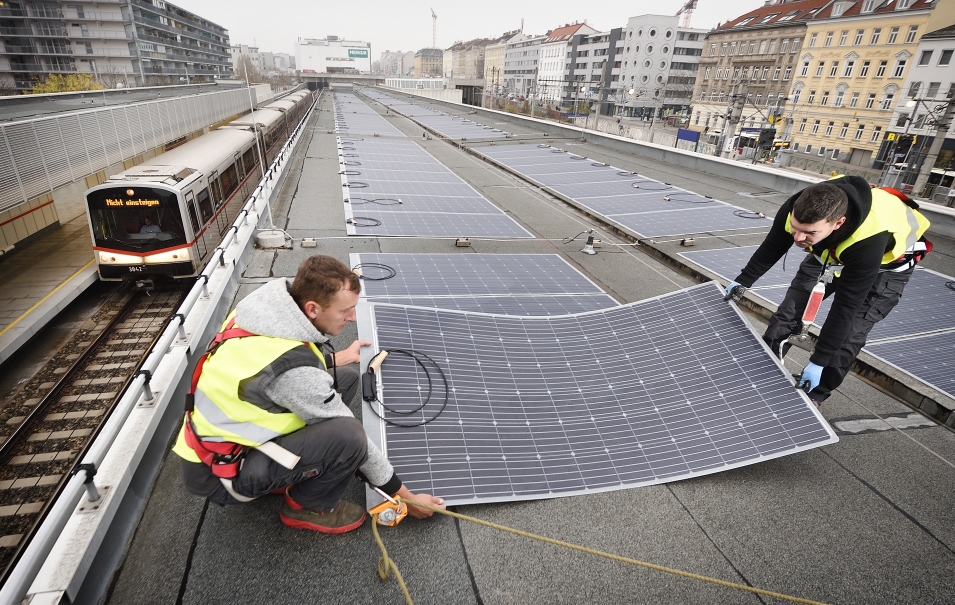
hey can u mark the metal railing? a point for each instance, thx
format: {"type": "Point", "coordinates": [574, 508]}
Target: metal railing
{"type": "Point", "coordinates": [174, 337]}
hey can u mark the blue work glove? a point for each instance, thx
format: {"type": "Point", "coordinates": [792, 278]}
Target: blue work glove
{"type": "Point", "coordinates": [734, 295]}
{"type": "Point", "coordinates": [810, 377]}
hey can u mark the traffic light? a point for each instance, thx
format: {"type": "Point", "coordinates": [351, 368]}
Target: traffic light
{"type": "Point", "coordinates": [766, 138]}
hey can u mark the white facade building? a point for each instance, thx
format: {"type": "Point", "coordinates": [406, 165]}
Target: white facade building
{"type": "Point", "coordinates": [332, 55]}
{"type": "Point", "coordinates": [520, 65]}
{"type": "Point", "coordinates": [553, 60]}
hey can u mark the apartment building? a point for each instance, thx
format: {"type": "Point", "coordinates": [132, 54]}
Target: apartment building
{"type": "Point", "coordinates": [926, 93]}
{"type": "Point", "coordinates": [494, 59]}
{"type": "Point", "coordinates": [851, 73]}
{"type": "Point", "coordinates": [428, 62]}
{"type": "Point", "coordinates": [757, 53]}
{"type": "Point", "coordinates": [119, 42]}
{"type": "Point", "coordinates": [520, 65]}
{"type": "Point", "coordinates": [553, 61]}
{"type": "Point", "coordinates": [658, 63]}
{"type": "Point", "coordinates": [591, 73]}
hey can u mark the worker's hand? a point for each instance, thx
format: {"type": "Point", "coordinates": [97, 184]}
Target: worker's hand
{"type": "Point", "coordinates": [351, 354]}
{"type": "Point", "coordinates": [419, 513]}
{"type": "Point", "coordinates": [729, 288]}
{"type": "Point", "coordinates": [734, 290]}
{"type": "Point", "coordinates": [810, 377]}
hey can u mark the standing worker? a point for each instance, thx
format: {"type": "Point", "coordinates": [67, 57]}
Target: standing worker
{"type": "Point", "coordinates": [265, 414]}
{"type": "Point", "coordinates": [864, 243]}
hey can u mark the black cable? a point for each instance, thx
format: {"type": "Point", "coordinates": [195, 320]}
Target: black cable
{"type": "Point", "coordinates": [748, 214]}
{"type": "Point", "coordinates": [599, 164]}
{"type": "Point", "coordinates": [351, 163]}
{"type": "Point", "coordinates": [557, 151]}
{"type": "Point", "coordinates": [349, 155]}
{"type": "Point", "coordinates": [376, 266]}
{"type": "Point", "coordinates": [356, 185]}
{"type": "Point", "coordinates": [577, 157]}
{"type": "Point", "coordinates": [372, 222]}
{"type": "Point", "coordinates": [347, 149]}
{"type": "Point", "coordinates": [950, 285]}
{"type": "Point", "coordinates": [353, 140]}
{"type": "Point", "coordinates": [625, 173]}
{"type": "Point", "coordinates": [639, 185]}
{"type": "Point", "coordinates": [417, 356]}
{"type": "Point", "coordinates": [567, 240]}
{"type": "Point", "coordinates": [706, 199]}
{"type": "Point", "coordinates": [392, 201]}
{"type": "Point", "coordinates": [350, 172]}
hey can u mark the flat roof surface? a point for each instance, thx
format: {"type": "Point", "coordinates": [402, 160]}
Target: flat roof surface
{"type": "Point", "coordinates": [866, 520]}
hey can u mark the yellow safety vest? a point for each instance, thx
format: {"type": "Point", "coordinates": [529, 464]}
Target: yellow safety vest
{"type": "Point", "coordinates": [888, 213]}
{"type": "Point", "coordinates": [221, 414]}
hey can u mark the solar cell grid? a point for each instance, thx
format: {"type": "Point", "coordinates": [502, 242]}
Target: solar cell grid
{"type": "Point", "coordinates": [546, 406]}
{"type": "Point", "coordinates": [529, 305]}
{"type": "Point", "coordinates": [928, 358]}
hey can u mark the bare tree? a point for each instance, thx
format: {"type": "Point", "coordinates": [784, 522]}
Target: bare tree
{"type": "Point", "coordinates": [7, 88]}
{"type": "Point", "coordinates": [247, 71]}
{"type": "Point", "coordinates": [111, 76]}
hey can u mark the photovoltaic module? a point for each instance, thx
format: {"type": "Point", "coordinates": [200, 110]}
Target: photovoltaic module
{"type": "Point", "coordinates": [537, 407]}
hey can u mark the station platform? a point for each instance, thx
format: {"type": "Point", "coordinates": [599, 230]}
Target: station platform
{"type": "Point", "coordinates": [865, 520]}
{"type": "Point", "coordinates": [40, 280]}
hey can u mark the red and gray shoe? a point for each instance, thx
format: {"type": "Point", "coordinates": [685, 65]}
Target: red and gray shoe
{"type": "Point", "coordinates": [344, 517]}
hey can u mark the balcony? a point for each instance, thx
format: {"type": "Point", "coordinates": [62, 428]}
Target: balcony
{"type": "Point", "coordinates": [26, 32]}
{"type": "Point", "coordinates": [9, 49]}
{"type": "Point", "coordinates": [41, 67]}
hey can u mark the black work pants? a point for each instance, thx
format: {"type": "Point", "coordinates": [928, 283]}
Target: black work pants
{"type": "Point", "coordinates": [331, 451]}
{"type": "Point", "coordinates": [787, 320]}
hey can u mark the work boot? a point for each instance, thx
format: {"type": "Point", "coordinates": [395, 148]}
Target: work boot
{"type": "Point", "coordinates": [344, 517]}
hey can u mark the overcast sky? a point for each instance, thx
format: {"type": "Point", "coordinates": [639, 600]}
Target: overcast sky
{"type": "Point", "coordinates": [406, 24]}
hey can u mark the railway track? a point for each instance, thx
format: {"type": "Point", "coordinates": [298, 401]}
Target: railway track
{"type": "Point", "coordinates": [46, 425]}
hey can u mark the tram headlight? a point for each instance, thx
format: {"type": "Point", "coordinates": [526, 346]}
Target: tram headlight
{"type": "Point", "coordinates": [114, 258]}
{"type": "Point", "coordinates": [173, 256]}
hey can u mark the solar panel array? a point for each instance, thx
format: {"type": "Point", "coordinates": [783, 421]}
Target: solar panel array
{"type": "Point", "coordinates": [353, 116]}
{"type": "Point", "coordinates": [927, 307]}
{"type": "Point", "coordinates": [508, 284]}
{"type": "Point", "coordinates": [394, 187]}
{"type": "Point", "coordinates": [538, 407]}
{"type": "Point", "coordinates": [927, 357]}
{"type": "Point", "coordinates": [647, 207]}
{"type": "Point", "coordinates": [449, 125]}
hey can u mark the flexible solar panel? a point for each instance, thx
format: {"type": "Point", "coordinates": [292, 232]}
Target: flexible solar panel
{"type": "Point", "coordinates": [469, 274]}
{"type": "Point", "coordinates": [396, 188]}
{"type": "Point", "coordinates": [529, 304]}
{"type": "Point", "coordinates": [452, 126]}
{"type": "Point", "coordinates": [538, 407]}
{"type": "Point", "coordinates": [353, 116]}
{"type": "Point", "coordinates": [928, 358]}
{"type": "Point", "coordinates": [728, 262]}
{"type": "Point", "coordinates": [645, 206]}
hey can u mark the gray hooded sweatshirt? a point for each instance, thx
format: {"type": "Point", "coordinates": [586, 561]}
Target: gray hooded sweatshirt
{"type": "Point", "coordinates": [305, 391]}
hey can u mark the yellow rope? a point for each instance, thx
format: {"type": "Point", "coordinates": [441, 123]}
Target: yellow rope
{"type": "Point", "coordinates": [389, 563]}
{"type": "Point", "coordinates": [386, 566]}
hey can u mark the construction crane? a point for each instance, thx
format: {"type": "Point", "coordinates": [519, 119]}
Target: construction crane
{"type": "Point", "coordinates": [434, 29]}
{"type": "Point", "coordinates": [687, 11]}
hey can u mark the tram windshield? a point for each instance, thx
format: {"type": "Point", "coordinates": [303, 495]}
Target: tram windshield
{"type": "Point", "coordinates": [136, 219]}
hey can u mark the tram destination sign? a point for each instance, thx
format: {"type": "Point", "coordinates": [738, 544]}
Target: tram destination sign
{"type": "Point", "coordinates": [139, 202]}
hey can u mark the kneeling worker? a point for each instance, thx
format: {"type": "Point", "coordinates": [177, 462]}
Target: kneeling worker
{"type": "Point", "coordinates": [266, 414]}
{"type": "Point", "coordinates": [865, 243]}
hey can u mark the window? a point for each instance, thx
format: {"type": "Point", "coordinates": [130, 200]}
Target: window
{"type": "Point", "coordinates": [811, 98]}
{"type": "Point", "coordinates": [854, 100]}
{"type": "Point", "coordinates": [772, 46]}
{"type": "Point", "coordinates": [868, 6]}
{"type": "Point", "coordinates": [812, 40]}
{"type": "Point", "coordinates": [789, 16]}
{"type": "Point", "coordinates": [766, 73]}
{"type": "Point", "coordinates": [815, 127]}
{"type": "Point", "coordinates": [741, 49]}
{"type": "Point", "coordinates": [910, 37]}
{"type": "Point", "coordinates": [945, 58]}
{"type": "Point", "coordinates": [914, 89]}
{"type": "Point", "coordinates": [881, 71]}
{"type": "Point", "coordinates": [819, 68]}
{"type": "Point", "coordinates": [933, 89]}
{"type": "Point", "coordinates": [838, 8]}
{"type": "Point", "coordinates": [847, 72]}
{"type": "Point", "coordinates": [829, 128]}
{"type": "Point", "coordinates": [844, 38]}
{"type": "Point", "coordinates": [796, 97]}
{"type": "Point", "coordinates": [825, 98]}
{"type": "Point", "coordinates": [893, 34]}
{"type": "Point", "coordinates": [859, 130]}
{"type": "Point", "coordinates": [712, 50]}
{"type": "Point", "coordinates": [822, 151]}
{"type": "Point", "coordinates": [784, 46]}
{"type": "Point", "coordinates": [834, 69]}
{"type": "Point", "coordinates": [829, 39]}
{"type": "Point", "coordinates": [795, 45]}
{"type": "Point", "coordinates": [723, 49]}
{"type": "Point", "coordinates": [762, 47]}
{"type": "Point", "coordinates": [887, 101]}
{"type": "Point", "coordinates": [844, 130]}
{"type": "Point", "coordinates": [876, 132]}
{"type": "Point", "coordinates": [899, 69]}
{"type": "Point", "coordinates": [869, 102]}
{"type": "Point", "coordinates": [805, 69]}
{"type": "Point", "coordinates": [706, 74]}
{"type": "Point", "coordinates": [89, 47]}
{"type": "Point", "coordinates": [840, 95]}
{"type": "Point", "coordinates": [736, 73]}
{"type": "Point", "coordinates": [759, 98]}
{"type": "Point", "coordinates": [925, 57]}
{"type": "Point", "coordinates": [752, 47]}
{"type": "Point", "coordinates": [859, 34]}
{"type": "Point", "coordinates": [808, 149]}
{"type": "Point", "coordinates": [900, 4]}
{"type": "Point", "coordinates": [875, 36]}
{"type": "Point", "coordinates": [788, 73]}
{"type": "Point", "coordinates": [776, 72]}
{"type": "Point", "coordinates": [802, 125]}
{"type": "Point", "coordinates": [732, 48]}
{"type": "Point", "coordinates": [865, 69]}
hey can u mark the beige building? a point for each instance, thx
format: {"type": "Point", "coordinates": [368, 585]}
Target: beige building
{"type": "Point", "coordinates": [494, 59]}
{"type": "Point", "coordinates": [850, 74]}
{"type": "Point", "coordinates": [428, 62]}
{"type": "Point", "coordinates": [756, 55]}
